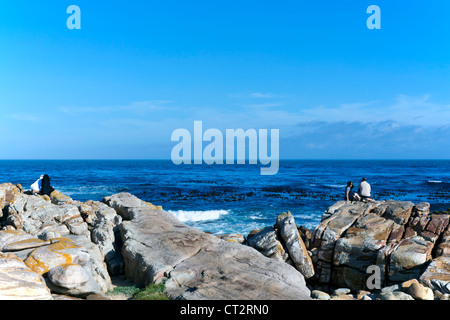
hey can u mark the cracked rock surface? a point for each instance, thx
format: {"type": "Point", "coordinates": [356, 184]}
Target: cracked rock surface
{"type": "Point", "coordinates": [198, 265]}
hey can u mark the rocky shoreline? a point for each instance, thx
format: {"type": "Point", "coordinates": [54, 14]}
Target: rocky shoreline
{"type": "Point", "coordinates": [56, 247]}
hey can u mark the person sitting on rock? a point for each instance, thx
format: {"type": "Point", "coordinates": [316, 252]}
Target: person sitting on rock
{"type": "Point", "coordinates": [46, 186]}
{"type": "Point", "coordinates": [37, 186]}
{"type": "Point", "coordinates": [365, 190]}
{"type": "Point", "coordinates": [349, 194]}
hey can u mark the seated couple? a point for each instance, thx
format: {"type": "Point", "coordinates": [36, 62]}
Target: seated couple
{"type": "Point", "coordinates": [363, 193]}
{"type": "Point", "coordinates": [42, 186]}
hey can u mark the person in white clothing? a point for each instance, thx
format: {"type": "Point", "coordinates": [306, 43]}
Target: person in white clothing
{"type": "Point", "coordinates": [364, 190]}
{"type": "Point", "coordinates": [37, 186]}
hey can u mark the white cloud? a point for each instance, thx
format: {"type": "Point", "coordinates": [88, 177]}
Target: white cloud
{"type": "Point", "coordinates": [403, 109]}
{"type": "Point", "coordinates": [27, 117]}
{"type": "Point", "coordinates": [136, 107]}
{"type": "Point", "coordinates": [261, 95]}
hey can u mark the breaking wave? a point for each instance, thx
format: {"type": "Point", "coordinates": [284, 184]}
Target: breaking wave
{"type": "Point", "coordinates": [195, 216]}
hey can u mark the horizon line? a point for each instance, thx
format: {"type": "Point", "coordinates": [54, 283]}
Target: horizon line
{"type": "Point", "coordinates": [285, 159]}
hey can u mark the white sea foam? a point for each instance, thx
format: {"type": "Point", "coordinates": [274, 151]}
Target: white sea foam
{"type": "Point", "coordinates": [195, 216]}
{"type": "Point", "coordinates": [434, 181]}
{"type": "Point", "coordinates": [336, 185]}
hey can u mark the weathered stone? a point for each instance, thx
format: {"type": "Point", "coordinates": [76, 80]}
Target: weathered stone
{"type": "Point", "coordinates": [25, 244]}
{"type": "Point", "coordinates": [8, 237]}
{"type": "Point", "coordinates": [394, 295]}
{"type": "Point", "coordinates": [244, 273]}
{"type": "Point", "coordinates": [359, 247]}
{"type": "Point", "coordinates": [320, 295]}
{"type": "Point", "coordinates": [398, 211]}
{"type": "Point", "coordinates": [266, 242]}
{"type": "Point", "coordinates": [18, 282]}
{"type": "Point", "coordinates": [408, 259]}
{"type": "Point", "coordinates": [72, 279]}
{"type": "Point", "coordinates": [422, 207]}
{"type": "Point", "coordinates": [405, 285]}
{"type": "Point", "coordinates": [343, 297]}
{"type": "Point", "coordinates": [362, 293]}
{"type": "Point", "coordinates": [341, 291]}
{"type": "Point", "coordinates": [332, 209]}
{"type": "Point", "coordinates": [392, 288]}
{"type": "Point", "coordinates": [397, 236]}
{"type": "Point", "coordinates": [233, 237]}
{"type": "Point", "coordinates": [61, 252]}
{"type": "Point", "coordinates": [8, 192]}
{"type": "Point", "coordinates": [124, 203]}
{"type": "Point", "coordinates": [93, 261]}
{"type": "Point", "coordinates": [294, 244]}
{"type": "Point", "coordinates": [437, 223]}
{"type": "Point", "coordinates": [306, 236]}
{"type": "Point", "coordinates": [418, 291]}
{"type": "Point", "coordinates": [437, 275]}
{"type": "Point", "coordinates": [330, 230]}
{"type": "Point", "coordinates": [94, 211]}
{"type": "Point", "coordinates": [59, 198]}
{"type": "Point", "coordinates": [198, 265]}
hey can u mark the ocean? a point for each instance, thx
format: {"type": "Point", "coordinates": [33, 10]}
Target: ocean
{"type": "Point", "coordinates": [225, 199]}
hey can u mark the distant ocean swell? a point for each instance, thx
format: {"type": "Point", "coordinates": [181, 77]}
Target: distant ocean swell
{"type": "Point", "coordinates": [196, 216]}
{"type": "Point", "coordinates": [236, 198]}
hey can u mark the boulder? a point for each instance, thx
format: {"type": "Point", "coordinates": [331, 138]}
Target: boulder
{"type": "Point", "coordinates": [58, 198]}
{"type": "Point", "coordinates": [266, 241]}
{"type": "Point", "coordinates": [229, 271]}
{"type": "Point", "coordinates": [397, 211]}
{"type": "Point", "coordinates": [197, 265]}
{"type": "Point", "coordinates": [62, 251]}
{"type": "Point", "coordinates": [124, 202]}
{"type": "Point", "coordinates": [320, 295]}
{"type": "Point", "coordinates": [18, 282]}
{"type": "Point", "coordinates": [8, 192]}
{"type": "Point", "coordinates": [420, 292]}
{"type": "Point", "coordinates": [73, 280]}
{"type": "Point", "coordinates": [408, 260]}
{"type": "Point", "coordinates": [401, 238]}
{"type": "Point", "coordinates": [8, 237]}
{"type": "Point", "coordinates": [394, 295]}
{"type": "Point", "coordinates": [358, 249]}
{"type": "Point", "coordinates": [437, 275]}
{"type": "Point", "coordinates": [233, 237]}
{"type": "Point", "coordinates": [294, 244]}
{"type": "Point", "coordinates": [326, 234]}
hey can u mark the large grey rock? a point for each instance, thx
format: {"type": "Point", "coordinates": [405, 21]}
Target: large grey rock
{"type": "Point", "coordinates": [402, 239]}
{"type": "Point", "coordinates": [73, 280]}
{"type": "Point", "coordinates": [18, 282]}
{"type": "Point", "coordinates": [198, 265]}
{"type": "Point", "coordinates": [51, 219]}
{"type": "Point", "coordinates": [266, 242]}
{"type": "Point", "coordinates": [8, 237]}
{"type": "Point", "coordinates": [327, 233]}
{"type": "Point", "coordinates": [229, 271]}
{"type": "Point", "coordinates": [408, 260]}
{"type": "Point", "coordinates": [294, 244]}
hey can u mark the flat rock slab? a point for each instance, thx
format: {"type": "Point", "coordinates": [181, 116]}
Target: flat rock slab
{"type": "Point", "coordinates": [229, 271]}
{"type": "Point", "coordinates": [294, 244]}
{"type": "Point", "coordinates": [198, 265]}
{"type": "Point", "coordinates": [18, 282]}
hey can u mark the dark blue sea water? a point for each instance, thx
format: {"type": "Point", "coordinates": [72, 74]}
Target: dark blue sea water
{"type": "Point", "coordinates": [236, 198]}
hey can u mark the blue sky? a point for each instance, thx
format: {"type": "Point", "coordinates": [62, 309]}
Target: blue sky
{"type": "Point", "coordinates": [138, 70]}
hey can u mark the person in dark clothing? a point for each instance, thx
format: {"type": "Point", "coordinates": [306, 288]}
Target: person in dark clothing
{"type": "Point", "coordinates": [349, 194]}
{"type": "Point", "coordinates": [46, 186]}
